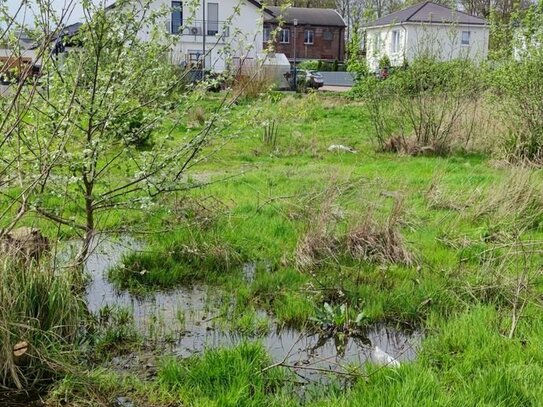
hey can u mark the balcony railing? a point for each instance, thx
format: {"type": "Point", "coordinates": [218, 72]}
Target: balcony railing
{"type": "Point", "coordinates": [213, 29]}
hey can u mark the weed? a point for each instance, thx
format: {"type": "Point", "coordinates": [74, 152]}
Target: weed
{"type": "Point", "coordinates": [369, 240]}
{"type": "Point", "coordinates": [380, 243]}
{"type": "Point", "coordinates": [251, 83]}
{"type": "Point", "coordinates": [115, 332]}
{"type": "Point", "coordinates": [269, 137]}
{"type": "Point", "coordinates": [196, 117]}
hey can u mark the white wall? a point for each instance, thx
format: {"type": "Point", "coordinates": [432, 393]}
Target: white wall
{"type": "Point", "coordinates": [442, 41]}
{"type": "Point", "coordinates": [244, 21]}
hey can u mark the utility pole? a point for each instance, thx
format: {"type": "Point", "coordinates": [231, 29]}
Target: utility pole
{"type": "Point", "coordinates": [204, 34]}
{"type": "Point", "coordinates": [295, 22]}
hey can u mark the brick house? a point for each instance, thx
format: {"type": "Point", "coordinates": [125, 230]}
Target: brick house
{"type": "Point", "coordinates": [320, 33]}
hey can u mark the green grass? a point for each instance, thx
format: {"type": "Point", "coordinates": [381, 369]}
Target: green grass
{"type": "Point", "coordinates": [40, 313]}
{"type": "Point", "coordinates": [224, 377]}
{"type": "Point", "coordinates": [260, 203]}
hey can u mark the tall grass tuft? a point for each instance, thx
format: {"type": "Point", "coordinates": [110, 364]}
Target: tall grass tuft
{"type": "Point", "coordinates": [40, 316]}
{"type": "Point", "coordinates": [365, 237]}
{"type": "Point", "coordinates": [380, 242]}
{"type": "Point", "coordinates": [252, 82]}
{"type": "Point", "coordinates": [516, 202]}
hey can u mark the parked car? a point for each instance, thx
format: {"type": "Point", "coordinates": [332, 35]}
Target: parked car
{"type": "Point", "coordinates": [315, 79]}
{"type": "Point", "coordinates": [305, 78]}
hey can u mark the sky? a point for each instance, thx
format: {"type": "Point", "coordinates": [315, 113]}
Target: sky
{"type": "Point", "coordinates": [72, 6]}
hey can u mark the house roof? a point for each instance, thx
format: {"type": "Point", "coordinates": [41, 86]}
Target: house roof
{"type": "Point", "coordinates": [27, 41]}
{"type": "Point", "coordinates": [427, 12]}
{"type": "Point", "coordinates": [255, 3]}
{"type": "Point", "coordinates": [306, 16]}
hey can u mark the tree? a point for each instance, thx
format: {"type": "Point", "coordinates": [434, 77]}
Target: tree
{"type": "Point", "coordinates": [96, 136]}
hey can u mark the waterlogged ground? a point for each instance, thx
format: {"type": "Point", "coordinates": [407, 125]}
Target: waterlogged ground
{"type": "Point", "coordinates": [186, 321]}
{"type": "Point", "coordinates": [239, 277]}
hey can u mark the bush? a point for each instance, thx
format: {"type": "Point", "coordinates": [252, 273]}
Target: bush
{"type": "Point", "coordinates": [384, 62]}
{"type": "Point", "coordinates": [518, 97]}
{"type": "Point", "coordinates": [517, 84]}
{"type": "Point", "coordinates": [253, 82]}
{"type": "Point", "coordinates": [427, 108]}
{"type": "Point", "coordinates": [311, 65]}
{"type": "Point", "coordinates": [40, 316]}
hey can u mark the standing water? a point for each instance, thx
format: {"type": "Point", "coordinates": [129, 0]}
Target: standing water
{"type": "Point", "coordinates": [189, 315]}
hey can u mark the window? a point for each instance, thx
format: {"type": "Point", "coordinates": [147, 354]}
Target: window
{"type": "Point", "coordinates": [177, 17]}
{"type": "Point", "coordinates": [376, 42]}
{"type": "Point", "coordinates": [284, 36]}
{"type": "Point", "coordinates": [267, 34]}
{"type": "Point", "coordinates": [212, 18]}
{"type": "Point", "coordinates": [466, 37]}
{"type": "Point", "coordinates": [328, 35]}
{"type": "Point", "coordinates": [395, 44]}
{"type": "Point", "coordinates": [309, 37]}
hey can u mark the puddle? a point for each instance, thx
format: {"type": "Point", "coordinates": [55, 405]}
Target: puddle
{"type": "Point", "coordinates": [189, 315]}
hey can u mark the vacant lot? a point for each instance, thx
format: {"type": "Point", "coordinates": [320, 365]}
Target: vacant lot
{"type": "Point", "coordinates": [296, 249]}
{"type": "Point", "coordinates": [292, 251]}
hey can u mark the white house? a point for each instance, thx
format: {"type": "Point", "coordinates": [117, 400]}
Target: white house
{"type": "Point", "coordinates": [426, 29]}
{"type": "Point", "coordinates": [223, 30]}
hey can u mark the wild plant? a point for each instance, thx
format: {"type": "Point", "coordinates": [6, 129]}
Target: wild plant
{"type": "Point", "coordinates": [517, 86]}
{"type": "Point", "coordinates": [420, 110]}
{"type": "Point", "coordinates": [515, 204]}
{"type": "Point", "coordinates": [367, 238]}
{"type": "Point", "coordinates": [40, 322]}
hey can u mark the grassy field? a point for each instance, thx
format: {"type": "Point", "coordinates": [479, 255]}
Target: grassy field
{"type": "Point", "coordinates": [448, 245]}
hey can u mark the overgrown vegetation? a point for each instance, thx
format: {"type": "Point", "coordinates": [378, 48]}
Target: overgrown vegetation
{"type": "Point", "coordinates": [429, 229]}
{"type": "Point", "coordinates": [425, 109]}
{"type": "Point", "coordinates": [40, 323]}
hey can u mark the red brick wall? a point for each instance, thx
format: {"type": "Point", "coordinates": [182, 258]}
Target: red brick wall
{"type": "Point", "coordinates": [321, 48]}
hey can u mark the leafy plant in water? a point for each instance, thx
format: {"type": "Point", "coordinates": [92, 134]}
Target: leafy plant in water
{"type": "Point", "coordinates": [337, 322]}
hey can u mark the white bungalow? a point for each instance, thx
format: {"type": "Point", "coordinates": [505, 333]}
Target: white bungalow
{"type": "Point", "coordinates": [426, 29]}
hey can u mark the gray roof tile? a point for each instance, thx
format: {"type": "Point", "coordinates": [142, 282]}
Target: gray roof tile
{"type": "Point", "coordinates": [427, 12]}
{"type": "Point", "coordinates": [307, 16]}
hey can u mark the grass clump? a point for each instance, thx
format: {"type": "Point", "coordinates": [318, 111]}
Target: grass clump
{"type": "Point", "coordinates": [223, 377]}
{"type": "Point", "coordinates": [370, 239]}
{"type": "Point", "coordinates": [115, 332]}
{"type": "Point", "coordinates": [40, 317]}
{"type": "Point", "coordinates": [380, 242]}
{"type": "Point", "coordinates": [176, 262]}
{"type": "Point", "coordinates": [515, 202]}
